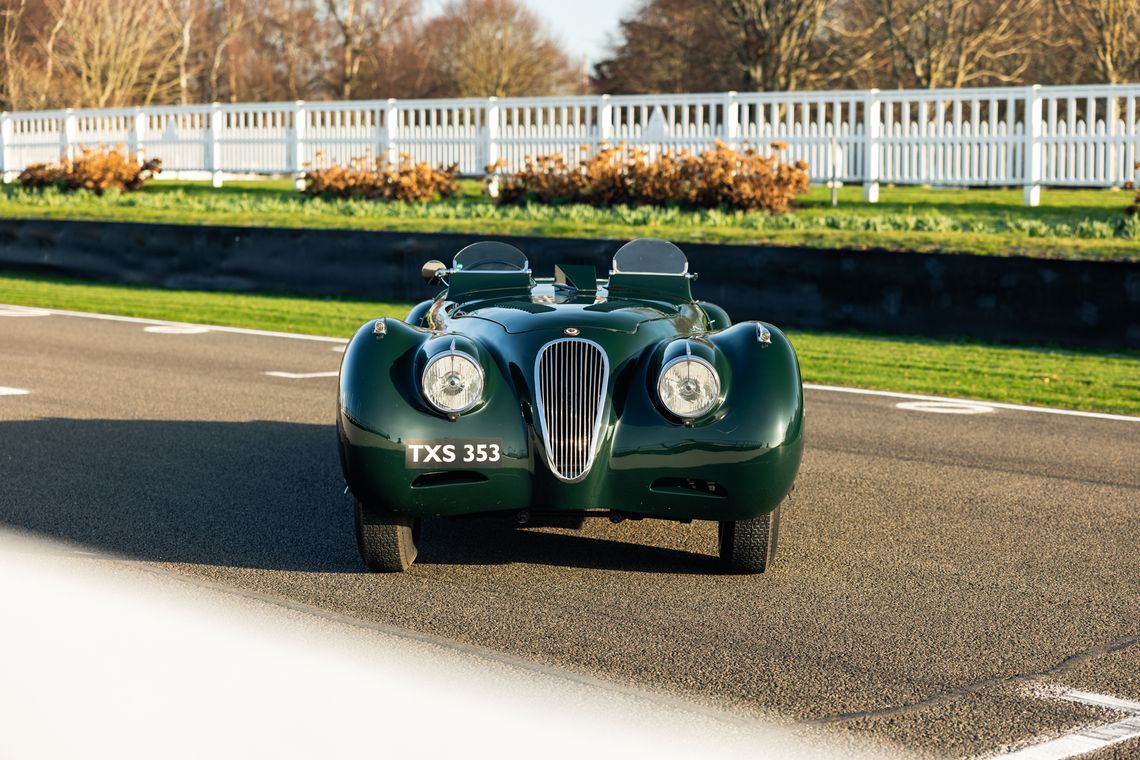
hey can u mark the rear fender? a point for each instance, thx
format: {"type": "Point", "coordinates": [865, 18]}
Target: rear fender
{"type": "Point", "coordinates": [418, 313]}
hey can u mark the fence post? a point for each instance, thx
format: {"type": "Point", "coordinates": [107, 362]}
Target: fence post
{"type": "Point", "coordinates": [296, 146]}
{"type": "Point", "coordinates": [6, 171]}
{"type": "Point", "coordinates": [389, 148]}
{"type": "Point", "coordinates": [136, 137]}
{"type": "Point", "coordinates": [213, 145]}
{"type": "Point", "coordinates": [1131, 141]}
{"type": "Point", "coordinates": [1032, 166]}
{"type": "Point", "coordinates": [605, 121]}
{"type": "Point", "coordinates": [67, 136]}
{"type": "Point", "coordinates": [1111, 159]}
{"type": "Point", "coordinates": [491, 132]}
{"type": "Point", "coordinates": [731, 118]}
{"type": "Point", "coordinates": [872, 118]}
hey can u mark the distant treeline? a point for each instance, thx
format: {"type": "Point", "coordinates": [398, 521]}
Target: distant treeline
{"type": "Point", "coordinates": [89, 53]}
{"type": "Point", "coordinates": [714, 45]}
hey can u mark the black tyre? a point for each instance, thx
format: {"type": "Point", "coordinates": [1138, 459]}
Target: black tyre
{"type": "Point", "coordinates": [749, 546]}
{"type": "Point", "coordinates": [387, 544]}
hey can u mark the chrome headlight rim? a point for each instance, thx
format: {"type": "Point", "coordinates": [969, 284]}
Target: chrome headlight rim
{"type": "Point", "coordinates": [478, 398]}
{"type": "Point", "coordinates": [713, 404]}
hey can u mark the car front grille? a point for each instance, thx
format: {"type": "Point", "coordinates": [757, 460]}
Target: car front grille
{"type": "Point", "coordinates": [570, 376]}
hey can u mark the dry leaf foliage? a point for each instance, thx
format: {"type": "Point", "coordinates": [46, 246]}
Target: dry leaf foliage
{"type": "Point", "coordinates": [377, 179]}
{"type": "Point", "coordinates": [93, 169]}
{"type": "Point", "coordinates": [720, 177]}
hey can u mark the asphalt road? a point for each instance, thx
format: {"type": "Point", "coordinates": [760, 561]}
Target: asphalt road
{"type": "Point", "coordinates": [940, 576]}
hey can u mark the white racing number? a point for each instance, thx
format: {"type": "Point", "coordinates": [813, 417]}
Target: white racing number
{"type": "Point", "coordinates": [455, 454]}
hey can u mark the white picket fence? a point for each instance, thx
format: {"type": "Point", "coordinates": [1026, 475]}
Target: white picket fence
{"type": "Point", "coordinates": [1080, 136]}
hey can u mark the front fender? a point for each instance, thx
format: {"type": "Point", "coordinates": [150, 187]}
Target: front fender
{"type": "Point", "coordinates": [750, 446]}
{"type": "Point", "coordinates": [765, 388]}
{"type": "Point", "coordinates": [380, 409]}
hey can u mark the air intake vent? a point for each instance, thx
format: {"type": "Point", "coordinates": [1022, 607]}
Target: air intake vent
{"type": "Point", "coordinates": [571, 376]}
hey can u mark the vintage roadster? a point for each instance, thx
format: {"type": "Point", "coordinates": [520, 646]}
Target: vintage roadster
{"type": "Point", "coordinates": [568, 396]}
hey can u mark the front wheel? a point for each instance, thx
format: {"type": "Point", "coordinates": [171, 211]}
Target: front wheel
{"type": "Point", "coordinates": [749, 546]}
{"type": "Point", "coordinates": [387, 543]}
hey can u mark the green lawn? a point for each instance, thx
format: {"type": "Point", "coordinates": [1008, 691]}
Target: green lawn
{"type": "Point", "coordinates": [1069, 223]}
{"type": "Point", "coordinates": [1042, 376]}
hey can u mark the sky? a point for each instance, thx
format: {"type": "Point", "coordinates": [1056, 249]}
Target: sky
{"type": "Point", "coordinates": [581, 25]}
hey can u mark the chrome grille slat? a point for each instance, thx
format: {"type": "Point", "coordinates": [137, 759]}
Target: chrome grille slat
{"type": "Point", "coordinates": [571, 375]}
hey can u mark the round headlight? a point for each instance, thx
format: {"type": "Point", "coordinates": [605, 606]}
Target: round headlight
{"type": "Point", "coordinates": [453, 382]}
{"type": "Point", "coordinates": [688, 387]}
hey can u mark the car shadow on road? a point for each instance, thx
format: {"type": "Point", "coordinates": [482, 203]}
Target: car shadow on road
{"type": "Point", "coordinates": [491, 541]}
{"type": "Point", "coordinates": [255, 494]}
{"type": "Point", "coordinates": [242, 494]}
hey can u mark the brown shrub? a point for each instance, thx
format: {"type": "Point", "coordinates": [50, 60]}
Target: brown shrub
{"type": "Point", "coordinates": [743, 179]}
{"type": "Point", "coordinates": [93, 170]}
{"type": "Point", "coordinates": [376, 179]}
{"type": "Point", "coordinates": [39, 176]}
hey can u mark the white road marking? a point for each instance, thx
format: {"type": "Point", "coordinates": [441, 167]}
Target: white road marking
{"type": "Point", "coordinates": [1102, 700]}
{"type": "Point", "coordinates": [176, 329]}
{"type": "Point", "coordinates": [1087, 739]}
{"type": "Point", "coordinates": [944, 407]}
{"type": "Point", "coordinates": [808, 386]}
{"type": "Point", "coordinates": [994, 404]}
{"type": "Point", "coordinates": [212, 328]}
{"type": "Point", "coordinates": [301, 375]}
{"type": "Point", "coordinates": [339, 349]}
{"type": "Point", "coordinates": [18, 311]}
{"type": "Point", "coordinates": [12, 391]}
{"type": "Point", "coordinates": [1079, 742]}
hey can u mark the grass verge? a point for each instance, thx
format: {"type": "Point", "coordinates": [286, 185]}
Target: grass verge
{"type": "Point", "coordinates": [1081, 224]}
{"type": "Point", "coordinates": [313, 316]}
{"type": "Point", "coordinates": [1107, 382]}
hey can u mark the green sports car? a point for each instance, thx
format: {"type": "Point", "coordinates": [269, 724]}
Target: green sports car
{"type": "Point", "coordinates": [566, 397]}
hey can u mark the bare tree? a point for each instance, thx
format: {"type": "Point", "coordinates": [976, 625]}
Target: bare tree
{"type": "Point", "coordinates": [287, 60]}
{"type": "Point", "coordinates": [361, 25]}
{"type": "Point", "coordinates": [227, 19]}
{"type": "Point", "coordinates": [495, 47]}
{"type": "Point", "coordinates": [850, 50]}
{"type": "Point", "coordinates": [1108, 30]}
{"type": "Point", "coordinates": [399, 66]}
{"type": "Point", "coordinates": [182, 16]}
{"type": "Point", "coordinates": [111, 52]}
{"type": "Point", "coordinates": [773, 39]}
{"type": "Point", "coordinates": [954, 43]}
{"type": "Point", "coordinates": [46, 41]}
{"type": "Point", "coordinates": [670, 46]}
{"type": "Point", "coordinates": [11, 28]}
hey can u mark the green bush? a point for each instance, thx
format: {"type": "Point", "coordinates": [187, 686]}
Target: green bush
{"type": "Point", "coordinates": [1031, 227]}
{"type": "Point", "coordinates": [1093, 230]}
{"type": "Point", "coordinates": [1130, 227]}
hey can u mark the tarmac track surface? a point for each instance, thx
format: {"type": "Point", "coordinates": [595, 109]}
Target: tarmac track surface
{"type": "Point", "coordinates": [940, 577]}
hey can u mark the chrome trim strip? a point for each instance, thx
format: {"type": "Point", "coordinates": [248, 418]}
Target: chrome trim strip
{"type": "Point", "coordinates": [565, 386]}
{"type": "Point", "coordinates": [448, 271]}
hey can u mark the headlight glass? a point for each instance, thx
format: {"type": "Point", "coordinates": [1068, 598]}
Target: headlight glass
{"type": "Point", "coordinates": [453, 382]}
{"type": "Point", "coordinates": [688, 387]}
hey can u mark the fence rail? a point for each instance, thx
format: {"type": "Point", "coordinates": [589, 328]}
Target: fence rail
{"type": "Point", "coordinates": [1080, 136]}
